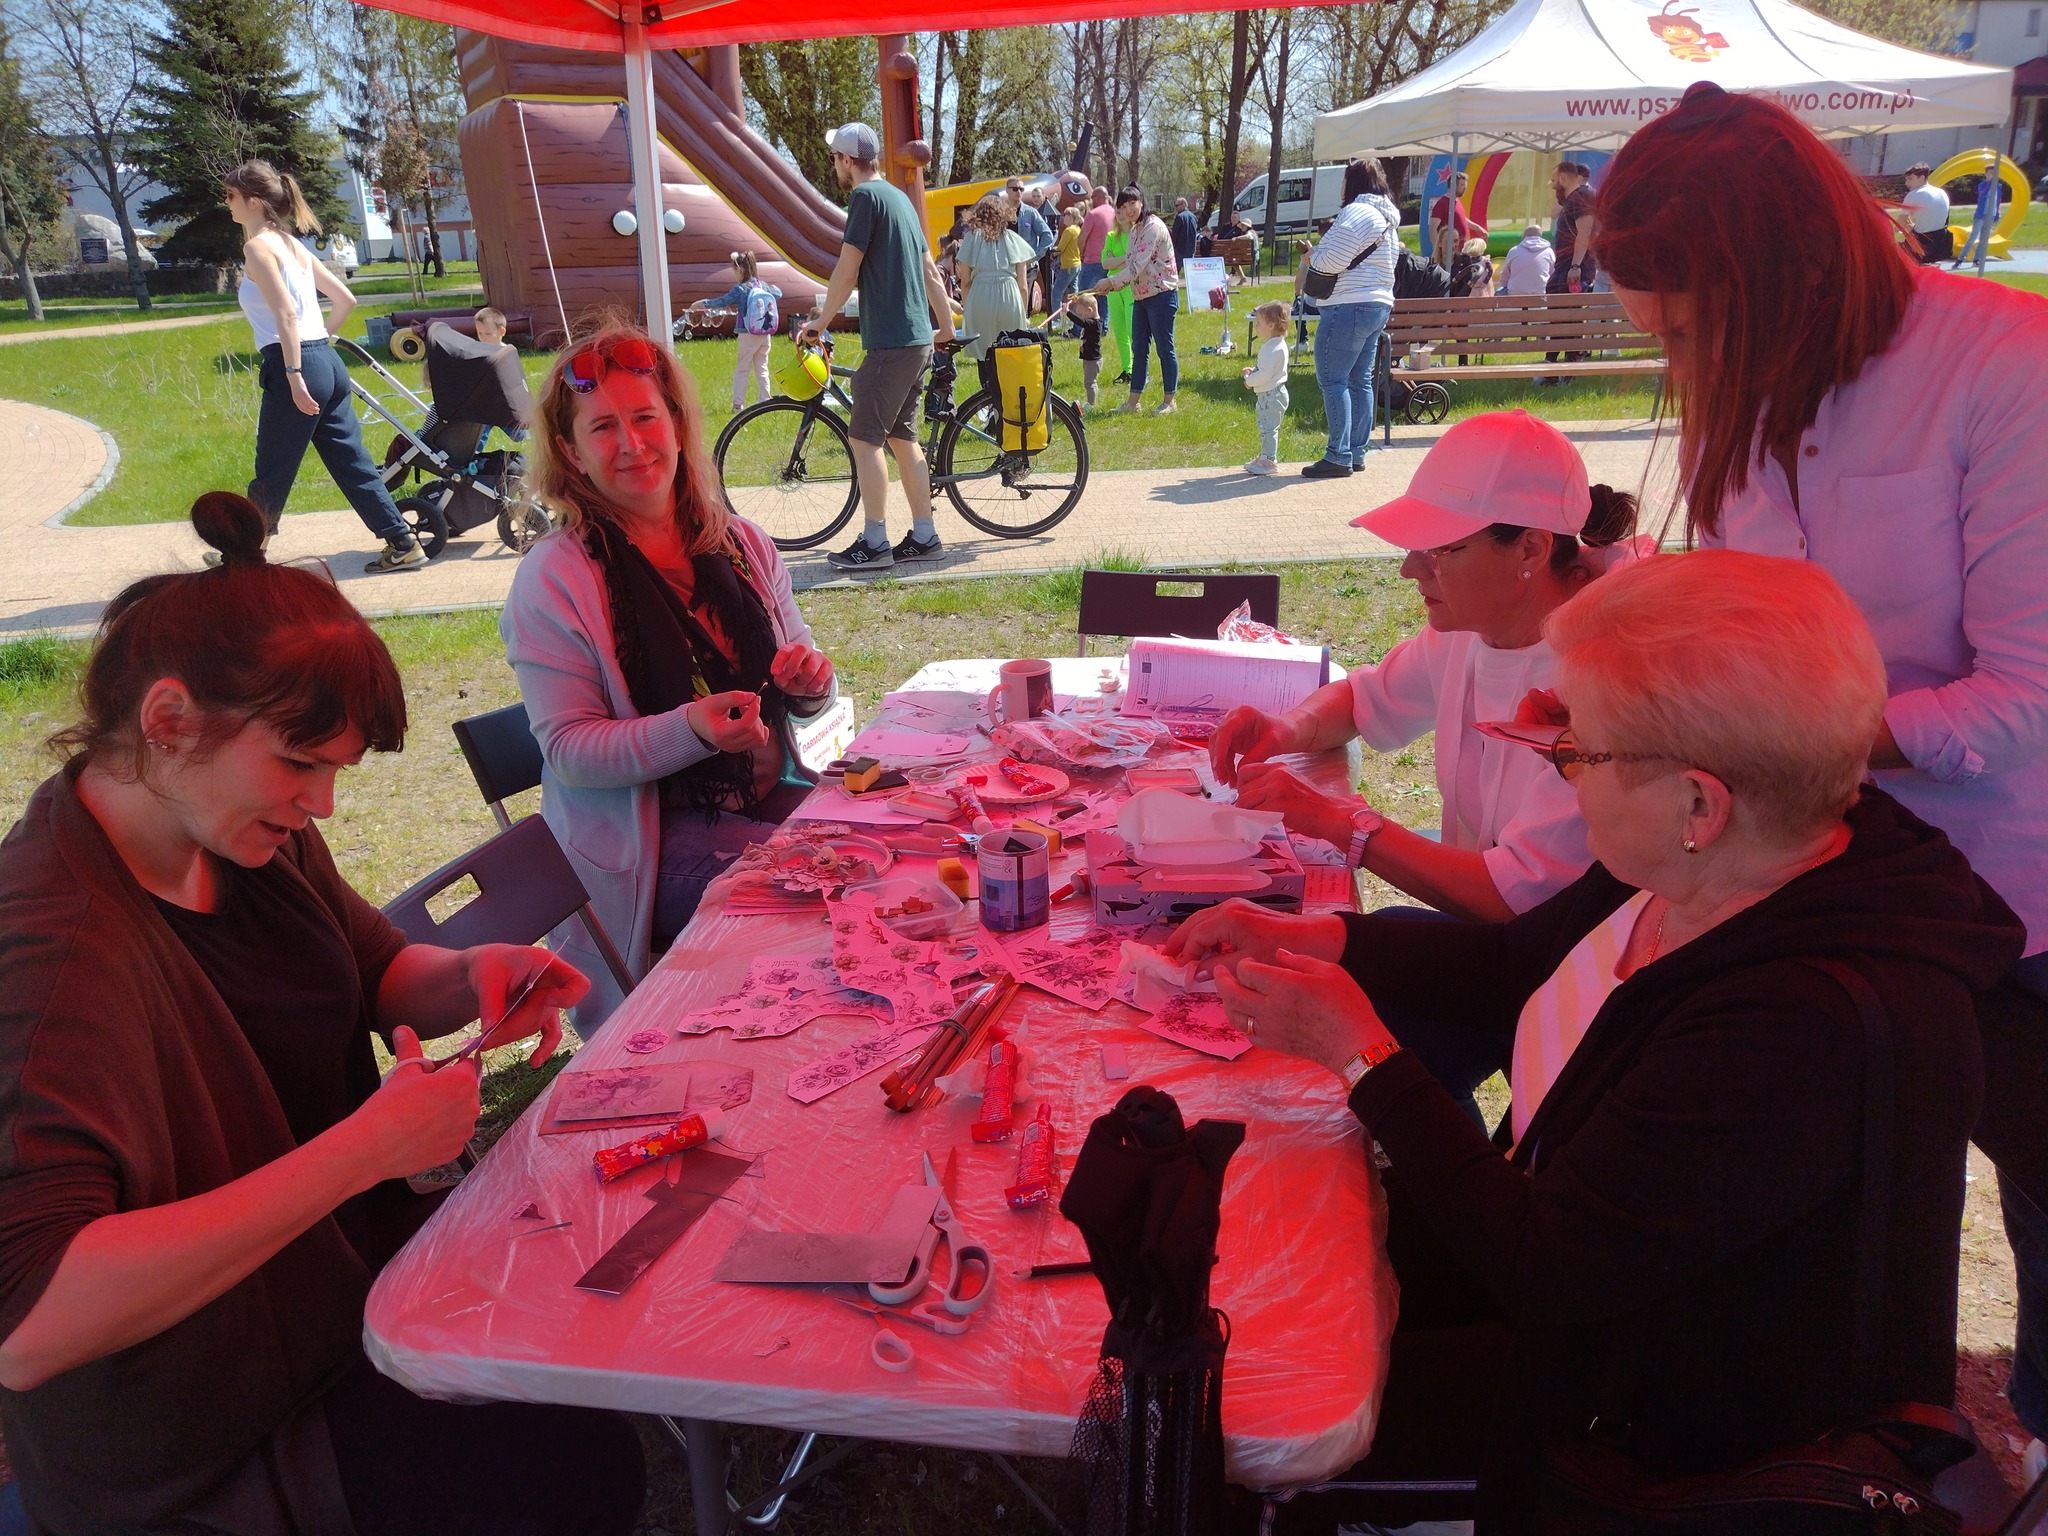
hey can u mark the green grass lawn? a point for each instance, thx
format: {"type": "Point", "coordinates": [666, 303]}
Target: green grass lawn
{"type": "Point", "coordinates": [2032, 235]}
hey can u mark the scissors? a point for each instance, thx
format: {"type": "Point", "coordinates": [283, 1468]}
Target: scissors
{"type": "Point", "coordinates": [969, 1259]}
{"type": "Point", "coordinates": [518, 999]}
{"type": "Point", "coordinates": [890, 1350]}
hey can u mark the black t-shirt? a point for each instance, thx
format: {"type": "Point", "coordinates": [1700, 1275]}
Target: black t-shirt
{"type": "Point", "coordinates": [289, 978]}
{"type": "Point", "coordinates": [1577, 205]}
{"type": "Point", "coordinates": [1091, 340]}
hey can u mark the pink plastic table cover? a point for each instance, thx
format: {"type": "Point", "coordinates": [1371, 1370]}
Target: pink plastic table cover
{"type": "Point", "coordinates": [482, 1303]}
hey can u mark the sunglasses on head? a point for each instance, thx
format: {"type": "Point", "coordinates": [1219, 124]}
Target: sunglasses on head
{"type": "Point", "coordinates": [587, 364]}
{"type": "Point", "coordinates": [1557, 743]}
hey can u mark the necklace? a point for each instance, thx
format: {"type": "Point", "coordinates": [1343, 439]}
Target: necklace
{"type": "Point", "coordinates": [1657, 938]}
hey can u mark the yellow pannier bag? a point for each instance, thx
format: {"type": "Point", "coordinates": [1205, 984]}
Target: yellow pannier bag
{"type": "Point", "coordinates": [1023, 374]}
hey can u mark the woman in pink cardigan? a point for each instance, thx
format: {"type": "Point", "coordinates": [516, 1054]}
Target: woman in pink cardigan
{"type": "Point", "coordinates": [1149, 271]}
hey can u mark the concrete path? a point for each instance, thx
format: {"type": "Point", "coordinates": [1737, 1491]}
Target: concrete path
{"type": "Point", "coordinates": [121, 328]}
{"type": "Point", "coordinates": [58, 578]}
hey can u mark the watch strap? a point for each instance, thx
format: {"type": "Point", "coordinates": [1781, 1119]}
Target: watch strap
{"type": "Point", "coordinates": [1365, 1061]}
{"type": "Point", "coordinates": [1365, 825]}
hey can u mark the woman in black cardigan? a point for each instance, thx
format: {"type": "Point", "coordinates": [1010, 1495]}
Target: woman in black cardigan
{"type": "Point", "coordinates": [1663, 1234]}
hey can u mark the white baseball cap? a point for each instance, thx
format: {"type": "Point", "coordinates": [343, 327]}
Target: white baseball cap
{"type": "Point", "coordinates": [1502, 467]}
{"type": "Point", "coordinates": [856, 141]}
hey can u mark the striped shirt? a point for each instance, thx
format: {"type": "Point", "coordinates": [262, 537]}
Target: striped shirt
{"type": "Point", "coordinates": [1558, 1013]}
{"type": "Point", "coordinates": [1370, 218]}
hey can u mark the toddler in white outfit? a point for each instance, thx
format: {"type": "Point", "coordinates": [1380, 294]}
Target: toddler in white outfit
{"type": "Point", "coordinates": [1267, 380]}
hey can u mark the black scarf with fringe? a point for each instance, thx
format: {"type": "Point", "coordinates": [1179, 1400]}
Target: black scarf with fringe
{"type": "Point", "coordinates": [669, 658]}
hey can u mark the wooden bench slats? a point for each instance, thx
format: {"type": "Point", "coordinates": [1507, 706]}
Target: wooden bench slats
{"type": "Point", "coordinates": [1511, 324]}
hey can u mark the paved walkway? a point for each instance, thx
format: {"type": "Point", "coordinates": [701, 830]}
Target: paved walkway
{"type": "Point", "coordinates": [122, 328]}
{"type": "Point", "coordinates": [58, 578]}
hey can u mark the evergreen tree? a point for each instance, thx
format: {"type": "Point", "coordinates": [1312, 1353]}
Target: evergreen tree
{"type": "Point", "coordinates": [224, 92]}
{"type": "Point", "coordinates": [31, 200]}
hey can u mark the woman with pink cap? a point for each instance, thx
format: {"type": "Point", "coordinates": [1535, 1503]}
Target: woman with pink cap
{"type": "Point", "coordinates": [1501, 527]}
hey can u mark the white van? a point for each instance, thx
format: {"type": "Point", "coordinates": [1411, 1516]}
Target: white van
{"type": "Point", "coordinates": [1305, 196]}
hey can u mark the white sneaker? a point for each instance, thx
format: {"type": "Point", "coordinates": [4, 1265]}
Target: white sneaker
{"type": "Point", "coordinates": [1261, 466]}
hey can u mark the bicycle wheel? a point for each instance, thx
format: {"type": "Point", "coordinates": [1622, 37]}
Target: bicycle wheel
{"type": "Point", "coordinates": [1011, 495]}
{"type": "Point", "coordinates": [788, 468]}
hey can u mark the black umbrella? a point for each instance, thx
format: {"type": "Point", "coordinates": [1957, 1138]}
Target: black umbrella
{"type": "Point", "coordinates": [1146, 1193]}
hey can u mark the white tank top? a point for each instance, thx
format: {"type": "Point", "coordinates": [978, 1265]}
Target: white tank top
{"type": "Point", "coordinates": [298, 284]}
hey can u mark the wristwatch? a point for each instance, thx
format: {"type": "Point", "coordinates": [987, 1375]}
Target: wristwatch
{"type": "Point", "coordinates": [1365, 1061]}
{"type": "Point", "coordinates": [1364, 824]}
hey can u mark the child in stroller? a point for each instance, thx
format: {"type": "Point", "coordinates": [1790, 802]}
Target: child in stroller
{"type": "Point", "coordinates": [474, 385]}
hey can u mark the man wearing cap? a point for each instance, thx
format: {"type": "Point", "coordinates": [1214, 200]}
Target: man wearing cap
{"type": "Point", "coordinates": [1500, 528]}
{"type": "Point", "coordinates": [902, 303]}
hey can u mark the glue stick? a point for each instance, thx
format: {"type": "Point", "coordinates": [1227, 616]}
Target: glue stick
{"type": "Point", "coordinates": [998, 1094]}
{"type": "Point", "coordinates": [690, 1131]}
{"type": "Point", "coordinates": [1034, 1163]}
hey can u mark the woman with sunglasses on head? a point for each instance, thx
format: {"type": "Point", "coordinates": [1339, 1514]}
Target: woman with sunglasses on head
{"type": "Point", "coordinates": [200, 1171]}
{"type": "Point", "coordinates": [1501, 528]}
{"type": "Point", "coordinates": [304, 382]}
{"type": "Point", "coordinates": [659, 650]}
{"type": "Point", "coordinates": [1825, 414]}
{"type": "Point", "coordinates": [1665, 1235]}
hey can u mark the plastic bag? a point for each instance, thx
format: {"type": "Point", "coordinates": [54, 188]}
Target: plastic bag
{"type": "Point", "coordinates": [1240, 625]}
{"type": "Point", "coordinates": [1086, 742]}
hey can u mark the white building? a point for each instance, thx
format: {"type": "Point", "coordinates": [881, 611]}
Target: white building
{"type": "Point", "coordinates": [2013, 32]}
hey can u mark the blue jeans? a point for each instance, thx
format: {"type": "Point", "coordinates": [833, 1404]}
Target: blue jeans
{"type": "Point", "coordinates": [1092, 272]}
{"type": "Point", "coordinates": [695, 852]}
{"type": "Point", "coordinates": [2026, 1228]}
{"type": "Point", "coordinates": [1347, 346]}
{"type": "Point", "coordinates": [1062, 285]}
{"type": "Point", "coordinates": [1459, 1057]}
{"type": "Point", "coordinates": [283, 432]}
{"type": "Point", "coordinates": [1152, 323]}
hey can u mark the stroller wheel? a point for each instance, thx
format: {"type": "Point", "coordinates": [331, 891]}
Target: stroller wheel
{"type": "Point", "coordinates": [1428, 403]}
{"type": "Point", "coordinates": [521, 521]}
{"type": "Point", "coordinates": [428, 523]}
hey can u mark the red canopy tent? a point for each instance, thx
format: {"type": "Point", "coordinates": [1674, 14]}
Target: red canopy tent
{"type": "Point", "coordinates": [613, 26]}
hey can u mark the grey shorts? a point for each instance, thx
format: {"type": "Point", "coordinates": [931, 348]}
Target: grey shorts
{"type": "Point", "coordinates": [885, 391]}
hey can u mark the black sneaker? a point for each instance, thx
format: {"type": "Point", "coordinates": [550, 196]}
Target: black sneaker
{"type": "Point", "coordinates": [1325, 469]}
{"type": "Point", "coordinates": [860, 555]}
{"type": "Point", "coordinates": [911, 547]}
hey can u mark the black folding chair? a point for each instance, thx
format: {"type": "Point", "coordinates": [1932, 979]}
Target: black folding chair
{"type": "Point", "coordinates": [1131, 603]}
{"type": "Point", "coordinates": [526, 887]}
{"type": "Point", "coordinates": [505, 760]}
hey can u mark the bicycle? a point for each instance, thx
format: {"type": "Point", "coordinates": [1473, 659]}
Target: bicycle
{"type": "Point", "coordinates": [787, 464]}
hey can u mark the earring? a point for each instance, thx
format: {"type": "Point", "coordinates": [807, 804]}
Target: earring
{"type": "Point", "coordinates": [1527, 575]}
{"type": "Point", "coordinates": [1690, 846]}
{"type": "Point", "coordinates": [162, 746]}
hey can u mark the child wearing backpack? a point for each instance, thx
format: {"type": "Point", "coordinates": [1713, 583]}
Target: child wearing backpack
{"type": "Point", "coordinates": [755, 322]}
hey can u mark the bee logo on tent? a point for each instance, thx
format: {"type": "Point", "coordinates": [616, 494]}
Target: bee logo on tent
{"type": "Point", "coordinates": [1688, 41]}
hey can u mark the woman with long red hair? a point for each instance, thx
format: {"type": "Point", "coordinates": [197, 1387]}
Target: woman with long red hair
{"type": "Point", "coordinates": [1891, 424]}
{"type": "Point", "coordinates": [659, 650]}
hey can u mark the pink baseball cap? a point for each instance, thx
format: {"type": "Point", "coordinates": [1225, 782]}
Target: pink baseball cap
{"type": "Point", "coordinates": [1502, 467]}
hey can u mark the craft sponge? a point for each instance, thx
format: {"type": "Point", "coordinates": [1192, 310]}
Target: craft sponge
{"type": "Point", "coordinates": [1049, 833]}
{"type": "Point", "coordinates": [953, 876]}
{"type": "Point", "coordinates": [861, 774]}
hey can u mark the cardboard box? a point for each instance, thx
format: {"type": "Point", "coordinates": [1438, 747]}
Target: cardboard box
{"type": "Point", "coordinates": [1130, 893]}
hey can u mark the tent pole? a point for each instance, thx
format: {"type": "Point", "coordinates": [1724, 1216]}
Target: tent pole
{"type": "Point", "coordinates": [646, 161]}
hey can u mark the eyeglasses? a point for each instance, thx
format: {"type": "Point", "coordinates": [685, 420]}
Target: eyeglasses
{"type": "Point", "coordinates": [1433, 558]}
{"type": "Point", "coordinates": [586, 366]}
{"type": "Point", "coordinates": [1557, 744]}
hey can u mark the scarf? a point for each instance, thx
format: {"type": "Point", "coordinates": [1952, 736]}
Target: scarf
{"type": "Point", "coordinates": [669, 658]}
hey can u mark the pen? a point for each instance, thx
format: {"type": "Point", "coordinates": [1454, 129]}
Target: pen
{"type": "Point", "coordinates": [1054, 1271]}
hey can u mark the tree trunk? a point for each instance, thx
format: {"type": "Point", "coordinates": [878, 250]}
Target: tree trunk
{"type": "Point", "coordinates": [433, 235]}
{"type": "Point", "coordinates": [968, 64]}
{"type": "Point", "coordinates": [1233, 121]}
{"type": "Point", "coordinates": [138, 277]}
{"type": "Point", "coordinates": [17, 258]}
{"type": "Point", "coordinates": [1276, 117]}
{"type": "Point", "coordinates": [935, 126]}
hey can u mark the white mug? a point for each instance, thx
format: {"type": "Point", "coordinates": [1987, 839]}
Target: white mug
{"type": "Point", "coordinates": [1025, 691]}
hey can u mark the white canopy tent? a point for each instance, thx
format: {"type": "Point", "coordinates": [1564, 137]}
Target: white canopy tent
{"type": "Point", "coordinates": [1554, 75]}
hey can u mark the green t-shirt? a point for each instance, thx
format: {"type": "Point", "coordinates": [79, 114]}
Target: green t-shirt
{"type": "Point", "coordinates": [882, 225]}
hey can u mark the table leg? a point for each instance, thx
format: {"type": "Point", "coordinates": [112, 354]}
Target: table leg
{"type": "Point", "coordinates": [704, 1444]}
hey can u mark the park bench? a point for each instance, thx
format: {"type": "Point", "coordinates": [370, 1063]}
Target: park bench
{"type": "Point", "coordinates": [1505, 336]}
{"type": "Point", "coordinates": [1239, 255]}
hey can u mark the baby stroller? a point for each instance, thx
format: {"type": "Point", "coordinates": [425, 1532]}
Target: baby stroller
{"type": "Point", "coordinates": [471, 389]}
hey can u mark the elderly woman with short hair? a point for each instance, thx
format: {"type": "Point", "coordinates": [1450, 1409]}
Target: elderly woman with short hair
{"type": "Point", "coordinates": [1680, 1181]}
